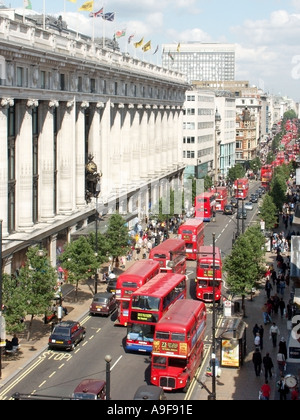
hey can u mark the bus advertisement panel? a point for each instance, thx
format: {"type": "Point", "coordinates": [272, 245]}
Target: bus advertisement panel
{"type": "Point", "coordinates": [205, 274]}
{"type": "Point", "coordinates": [178, 345]}
{"type": "Point", "coordinates": [148, 304]}
{"type": "Point", "coordinates": [192, 232]}
{"type": "Point", "coordinates": [132, 279]}
{"type": "Point", "coordinates": [221, 198]}
{"type": "Point", "coordinates": [205, 206]}
{"type": "Point", "coordinates": [171, 250]}
{"type": "Point", "coordinates": [241, 188]}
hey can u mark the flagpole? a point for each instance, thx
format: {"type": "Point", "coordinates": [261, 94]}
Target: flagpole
{"type": "Point", "coordinates": [44, 14]}
{"type": "Point", "coordinates": [93, 11]}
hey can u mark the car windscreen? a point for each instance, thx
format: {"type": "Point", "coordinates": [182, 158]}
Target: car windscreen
{"type": "Point", "coordinates": [100, 300]}
{"type": "Point", "coordinates": [61, 331]}
{"type": "Point", "coordinates": [84, 396]}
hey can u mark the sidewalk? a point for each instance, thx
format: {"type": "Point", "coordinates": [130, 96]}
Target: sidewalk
{"type": "Point", "coordinates": [242, 383]}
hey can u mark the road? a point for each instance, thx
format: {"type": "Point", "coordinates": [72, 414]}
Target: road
{"type": "Point", "coordinates": [57, 373]}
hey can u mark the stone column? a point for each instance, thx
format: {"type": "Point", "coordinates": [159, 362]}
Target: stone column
{"type": "Point", "coordinates": [4, 105]}
{"type": "Point", "coordinates": [158, 142]}
{"type": "Point", "coordinates": [24, 165]}
{"type": "Point", "coordinates": [144, 142]}
{"type": "Point", "coordinates": [46, 157]}
{"type": "Point", "coordinates": [126, 146]}
{"type": "Point", "coordinates": [66, 158]}
{"type": "Point", "coordinates": [135, 146]}
{"type": "Point", "coordinates": [80, 154]}
{"type": "Point", "coordinates": [151, 141]}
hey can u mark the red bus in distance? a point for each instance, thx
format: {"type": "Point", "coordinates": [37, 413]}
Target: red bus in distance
{"type": "Point", "coordinates": [266, 174]}
{"type": "Point", "coordinates": [205, 206]}
{"type": "Point", "coordinates": [205, 274]}
{"type": "Point", "coordinates": [170, 250]}
{"type": "Point", "coordinates": [192, 232]}
{"type": "Point", "coordinates": [147, 306]}
{"type": "Point", "coordinates": [221, 195]}
{"type": "Point", "coordinates": [132, 279]}
{"type": "Point", "coordinates": [241, 188]}
{"type": "Point", "coordinates": [178, 345]}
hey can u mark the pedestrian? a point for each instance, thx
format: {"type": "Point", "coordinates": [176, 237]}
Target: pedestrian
{"type": "Point", "coordinates": [274, 332]}
{"type": "Point", "coordinates": [281, 361]}
{"type": "Point", "coordinates": [268, 288]}
{"type": "Point", "coordinates": [257, 361]}
{"type": "Point", "coordinates": [295, 394]}
{"type": "Point", "coordinates": [282, 347]}
{"type": "Point", "coordinates": [255, 330]}
{"type": "Point", "coordinates": [268, 365]}
{"type": "Point", "coordinates": [265, 391]}
{"type": "Point", "coordinates": [281, 307]}
{"type": "Point", "coordinates": [283, 389]}
{"type": "Point", "coordinates": [257, 340]}
{"type": "Point", "coordinates": [261, 333]}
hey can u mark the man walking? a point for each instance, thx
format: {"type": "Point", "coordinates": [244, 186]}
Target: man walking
{"type": "Point", "coordinates": [274, 331]}
{"type": "Point", "coordinates": [268, 365]}
{"type": "Point", "coordinates": [257, 361]}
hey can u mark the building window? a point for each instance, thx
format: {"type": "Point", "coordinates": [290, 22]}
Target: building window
{"type": "Point", "coordinates": [239, 144]}
{"type": "Point", "coordinates": [93, 86]}
{"type": "Point", "coordinates": [20, 76]}
{"type": "Point", "coordinates": [116, 88]}
{"type": "Point", "coordinates": [62, 82]}
{"type": "Point", "coordinates": [79, 84]}
{"type": "Point", "coordinates": [190, 154]}
{"type": "Point", "coordinates": [43, 80]}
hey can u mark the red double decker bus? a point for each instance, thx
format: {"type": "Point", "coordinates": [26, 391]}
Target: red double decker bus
{"type": "Point", "coordinates": [205, 206]}
{"type": "Point", "coordinates": [171, 250]}
{"type": "Point", "coordinates": [178, 345]}
{"type": "Point", "coordinates": [221, 195]}
{"type": "Point", "coordinates": [132, 279]}
{"type": "Point", "coordinates": [147, 306]}
{"type": "Point", "coordinates": [205, 274]}
{"type": "Point", "coordinates": [266, 174]}
{"type": "Point", "coordinates": [192, 232]}
{"type": "Point", "coordinates": [241, 188]}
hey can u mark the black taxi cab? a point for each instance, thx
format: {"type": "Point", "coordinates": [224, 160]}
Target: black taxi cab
{"type": "Point", "coordinates": [66, 335]}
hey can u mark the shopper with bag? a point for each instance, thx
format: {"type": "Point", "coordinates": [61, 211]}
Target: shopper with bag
{"type": "Point", "coordinates": [281, 362]}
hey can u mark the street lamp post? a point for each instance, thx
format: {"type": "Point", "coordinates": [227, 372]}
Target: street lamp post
{"type": "Point", "coordinates": [213, 357]}
{"type": "Point", "coordinates": [217, 133]}
{"type": "Point", "coordinates": [108, 360]}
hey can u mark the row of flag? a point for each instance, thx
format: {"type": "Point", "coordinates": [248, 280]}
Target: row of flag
{"type": "Point", "coordinates": [88, 6]}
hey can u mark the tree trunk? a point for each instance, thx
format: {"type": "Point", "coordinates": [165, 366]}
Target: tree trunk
{"type": "Point", "coordinates": [29, 328]}
{"type": "Point", "coordinates": [243, 306]}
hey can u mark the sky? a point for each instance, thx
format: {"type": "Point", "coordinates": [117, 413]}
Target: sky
{"type": "Point", "coordinates": [266, 33]}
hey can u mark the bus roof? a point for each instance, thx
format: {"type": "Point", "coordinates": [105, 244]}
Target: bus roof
{"type": "Point", "coordinates": [139, 269]}
{"type": "Point", "coordinates": [206, 194]}
{"type": "Point", "coordinates": [179, 317]}
{"type": "Point", "coordinates": [160, 285]}
{"type": "Point", "coordinates": [207, 252]}
{"type": "Point", "coordinates": [168, 245]}
{"type": "Point", "coordinates": [197, 221]}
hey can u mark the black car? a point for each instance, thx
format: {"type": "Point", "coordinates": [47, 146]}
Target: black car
{"type": "Point", "coordinates": [66, 335]}
{"type": "Point", "coordinates": [253, 198]}
{"type": "Point", "coordinates": [149, 392]}
{"type": "Point", "coordinates": [111, 286]}
{"type": "Point", "coordinates": [228, 209]}
{"type": "Point", "coordinates": [258, 192]}
{"type": "Point", "coordinates": [241, 214]}
{"type": "Point", "coordinates": [234, 202]}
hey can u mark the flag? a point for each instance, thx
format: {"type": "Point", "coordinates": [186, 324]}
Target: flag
{"type": "Point", "coordinates": [109, 16]}
{"type": "Point", "coordinates": [139, 44]}
{"type": "Point", "coordinates": [178, 47]}
{"type": "Point", "coordinates": [87, 6]}
{"type": "Point", "coordinates": [119, 34]}
{"type": "Point", "coordinates": [97, 14]}
{"type": "Point", "coordinates": [156, 50]}
{"type": "Point", "coordinates": [170, 55]}
{"type": "Point", "coordinates": [147, 46]}
{"type": "Point", "coordinates": [27, 4]}
{"type": "Point", "coordinates": [130, 38]}
{"type": "Point", "coordinates": [73, 1]}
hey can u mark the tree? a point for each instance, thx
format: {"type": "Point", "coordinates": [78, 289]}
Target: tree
{"type": "Point", "coordinates": [241, 268]}
{"type": "Point", "coordinates": [236, 172]}
{"type": "Point", "coordinates": [268, 212]}
{"type": "Point", "coordinates": [80, 261]}
{"type": "Point", "coordinates": [117, 236]}
{"type": "Point", "coordinates": [278, 191]}
{"type": "Point", "coordinates": [37, 278]}
{"type": "Point", "coordinates": [14, 301]}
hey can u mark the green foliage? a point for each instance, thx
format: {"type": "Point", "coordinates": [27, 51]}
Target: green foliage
{"type": "Point", "coordinates": [255, 164]}
{"type": "Point", "coordinates": [79, 259]}
{"type": "Point", "coordinates": [117, 236]}
{"type": "Point", "coordinates": [268, 212]}
{"type": "Point", "coordinates": [236, 172]}
{"type": "Point", "coordinates": [278, 190]}
{"type": "Point", "coordinates": [31, 293]}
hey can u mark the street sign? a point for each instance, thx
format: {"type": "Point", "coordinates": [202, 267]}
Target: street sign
{"type": "Point", "coordinates": [227, 308]}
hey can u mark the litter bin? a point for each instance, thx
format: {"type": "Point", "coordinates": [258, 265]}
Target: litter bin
{"type": "Point", "coordinates": [236, 307]}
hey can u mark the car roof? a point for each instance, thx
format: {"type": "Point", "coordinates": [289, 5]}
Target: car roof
{"type": "Point", "coordinates": [148, 392]}
{"type": "Point", "coordinates": [90, 386]}
{"type": "Point", "coordinates": [66, 324]}
{"type": "Point", "coordinates": [105, 295]}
